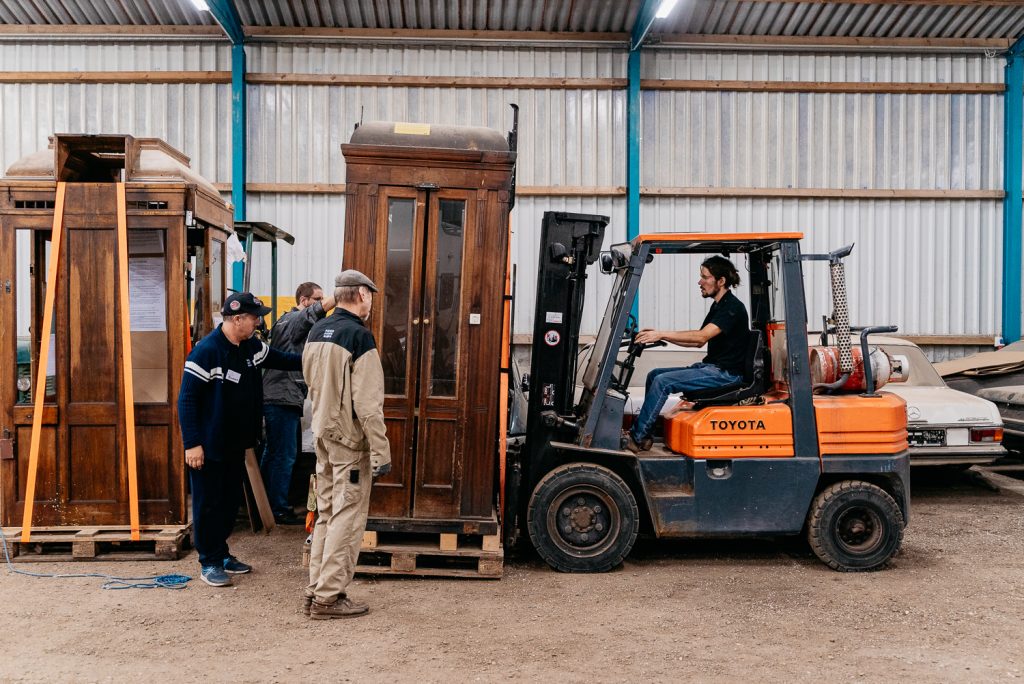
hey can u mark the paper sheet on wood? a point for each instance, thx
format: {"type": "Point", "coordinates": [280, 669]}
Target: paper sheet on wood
{"type": "Point", "coordinates": [147, 294]}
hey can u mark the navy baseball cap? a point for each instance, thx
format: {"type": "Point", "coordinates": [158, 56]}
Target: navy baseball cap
{"type": "Point", "coordinates": [243, 303]}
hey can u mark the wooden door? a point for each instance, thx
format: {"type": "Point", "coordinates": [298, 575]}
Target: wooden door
{"type": "Point", "coordinates": [419, 319]}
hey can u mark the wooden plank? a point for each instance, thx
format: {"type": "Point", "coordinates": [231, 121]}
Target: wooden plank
{"type": "Point", "coordinates": [491, 542]}
{"type": "Point", "coordinates": [433, 34]}
{"type": "Point", "coordinates": [376, 80]}
{"type": "Point", "coordinates": [822, 87]}
{"type": "Point", "coordinates": [490, 567]}
{"type": "Point", "coordinates": [403, 562]}
{"type": "Point", "coordinates": [852, 42]}
{"type": "Point", "coordinates": [425, 549]}
{"type": "Point", "coordinates": [426, 572]}
{"type": "Point", "coordinates": [109, 29]}
{"type": "Point", "coordinates": [652, 191]}
{"type": "Point", "coordinates": [449, 542]}
{"type": "Point", "coordinates": [823, 193]}
{"type": "Point", "coordinates": [84, 543]}
{"type": "Point", "coordinates": [369, 540]}
{"type": "Point", "coordinates": [115, 77]}
{"type": "Point", "coordinates": [259, 492]}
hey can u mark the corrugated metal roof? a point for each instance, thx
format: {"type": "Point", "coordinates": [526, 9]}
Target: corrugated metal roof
{"type": "Point", "coordinates": [815, 18]}
{"type": "Point", "coordinates": [103, 12]}
{"type": "Point", "coordinates": [852, 19]}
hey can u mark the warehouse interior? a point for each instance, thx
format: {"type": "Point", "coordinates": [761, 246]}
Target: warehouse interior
{"type": "Point", "coordinates": [894, 126]}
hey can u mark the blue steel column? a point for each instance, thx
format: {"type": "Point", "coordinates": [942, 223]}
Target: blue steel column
{"type": "Point", "coordinates": [226, 14]}
{"type": "Point", "coordinates": [644, 19]}
{"type": "Point", "coordinates": [633, 147]}
{"type": "Point", "coordinates": [238, 145]}
{"type": "Point", "coordinates": [642, 25]}
{"type": "Point", "coordinates": [1013, 141]}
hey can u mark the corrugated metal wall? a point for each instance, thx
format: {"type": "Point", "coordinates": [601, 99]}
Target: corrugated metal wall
{"type": "Point", "coordinates": [930, 266]}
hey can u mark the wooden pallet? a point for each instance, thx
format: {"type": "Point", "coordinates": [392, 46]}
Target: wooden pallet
{"type": "Point", "coordinates": [429, 555]}
{"type": "Point", "coordinates": [99, 543]}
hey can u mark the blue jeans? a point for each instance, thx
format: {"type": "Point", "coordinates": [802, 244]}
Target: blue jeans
{"type": "Point", "coordinates": [279, 454]}
{"type": "Point", "coordinates": [661, 382]}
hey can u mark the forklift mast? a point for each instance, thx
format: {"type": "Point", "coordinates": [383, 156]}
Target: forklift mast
{"type": "Point", "coordinates": [569, 243]}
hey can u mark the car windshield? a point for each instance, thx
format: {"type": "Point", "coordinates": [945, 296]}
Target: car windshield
{"type": "Point", "coordinates": [921, 371]}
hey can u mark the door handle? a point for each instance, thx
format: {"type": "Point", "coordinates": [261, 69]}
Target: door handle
{"type": "Point", "coordinates": [426, 321]}
{"type": "Point", "coordinates": [415, 321]}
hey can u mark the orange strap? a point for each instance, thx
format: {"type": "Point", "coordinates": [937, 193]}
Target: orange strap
{"type": "Point", "coordinates": [506, 333]}
{"type": "Point", "coordinates": [126, 360]}
{"type": "Point", "coordinates": [43, 361]}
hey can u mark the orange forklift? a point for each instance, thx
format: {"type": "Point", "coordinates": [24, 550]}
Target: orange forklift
{"type": "Point", "coordinates": [803, 444]}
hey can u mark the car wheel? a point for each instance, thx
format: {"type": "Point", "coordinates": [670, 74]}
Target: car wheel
{"type": "Point", "coordinates": [854, 526]}
{"type": "Point", "coordinates": [582, 518]}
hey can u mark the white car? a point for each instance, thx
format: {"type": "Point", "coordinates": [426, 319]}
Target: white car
{"type": "Point", "coordinates": [944, 426]}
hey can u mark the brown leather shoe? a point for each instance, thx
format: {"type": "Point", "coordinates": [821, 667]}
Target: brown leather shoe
{"type": "Point", "coordinates": [307, 601]}
{"type": "Point", "coordinates": [636, 447]}
{"type": "Point", "coordinates": [342, 608]}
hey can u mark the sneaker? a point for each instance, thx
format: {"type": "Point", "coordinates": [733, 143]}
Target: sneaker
{"type": "Point", "coordinates": [215, 576]}
{"type": "Point", "coordinates": [342, 608]}
{"type": "Point", "coordinates": [233, 566]}
{"type": "Point", "coordinates": [290, 518]}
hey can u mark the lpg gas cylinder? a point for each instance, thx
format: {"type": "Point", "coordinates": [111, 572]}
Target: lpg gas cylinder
{"type": "Point", "coordinates": [824, 362]}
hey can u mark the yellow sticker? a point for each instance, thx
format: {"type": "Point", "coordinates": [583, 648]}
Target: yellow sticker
{"type": "Point", "coordinates": [412, 128]}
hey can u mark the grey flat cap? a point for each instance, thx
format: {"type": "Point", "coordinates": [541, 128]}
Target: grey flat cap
{"type": "Point", "coordinates": [353, 278]}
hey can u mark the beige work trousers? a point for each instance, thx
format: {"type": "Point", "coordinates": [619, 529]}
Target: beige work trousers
{"type": "Point", "coordinates": [342, 501]}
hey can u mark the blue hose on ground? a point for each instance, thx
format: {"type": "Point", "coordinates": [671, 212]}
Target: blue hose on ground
{"type": "Point", "coordinates": [152, 582]}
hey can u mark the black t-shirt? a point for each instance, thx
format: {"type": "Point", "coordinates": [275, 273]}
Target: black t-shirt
{"type": "Point", "coordinates": [728, 349]}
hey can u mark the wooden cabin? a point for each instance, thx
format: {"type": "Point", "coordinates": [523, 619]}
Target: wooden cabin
{"type": "Point", "coordinates": [177, 226]}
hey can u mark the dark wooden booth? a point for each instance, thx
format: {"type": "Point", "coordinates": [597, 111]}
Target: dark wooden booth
{"type": "Point", "coordinates": [427, 219]}
{"type": "Point", "coordinates": [176, 225]}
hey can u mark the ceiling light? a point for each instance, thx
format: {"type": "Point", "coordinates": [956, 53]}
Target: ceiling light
{"type": "Point", "coordinates": [202, 6]}
{"type": "Point", "coordinates": [664, 9]}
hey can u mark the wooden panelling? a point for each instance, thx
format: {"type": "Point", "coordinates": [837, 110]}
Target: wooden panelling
{"type": "Point", "coordinates": [93, 461]}
{"type": "Point", "coordinates": [46, 485]}
{"type": "Point", "coordinates": [436, 458]}
{"type": "Point", "coordinates": [153, 443]}
{"type": "Point", "coordinates": [91, 350]}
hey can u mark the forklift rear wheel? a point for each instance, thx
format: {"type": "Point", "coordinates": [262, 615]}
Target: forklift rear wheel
{"type": "Point", "coordinates": [583, 518]}
{"type": "Point", "coordinates": [855, 526]}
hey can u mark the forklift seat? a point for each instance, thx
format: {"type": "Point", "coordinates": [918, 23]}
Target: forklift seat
{"type": "Point", "coordinates": [754, 382]}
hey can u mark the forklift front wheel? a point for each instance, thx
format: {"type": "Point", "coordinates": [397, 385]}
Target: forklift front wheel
{"type": "Point", "coordinates": [854, 526]}
{"type": "Point", "coordinates": [583, 518]}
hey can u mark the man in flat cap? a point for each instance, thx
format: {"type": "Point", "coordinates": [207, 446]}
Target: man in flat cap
{"type": "Point", "coordinates": [220, 405]}
{"type": "Point", "coordinates": [346, 389]}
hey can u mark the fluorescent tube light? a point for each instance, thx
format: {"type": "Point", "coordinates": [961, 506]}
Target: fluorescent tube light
{"type": "Point", "coordinates": [664, 9]}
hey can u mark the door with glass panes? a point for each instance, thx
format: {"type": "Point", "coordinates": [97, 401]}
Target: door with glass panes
{"type": "Point", "coordinates": [419, 320]}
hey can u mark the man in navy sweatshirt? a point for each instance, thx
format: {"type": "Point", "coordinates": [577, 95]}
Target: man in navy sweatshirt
{"type": "Point", "coordinates": [220, 405]}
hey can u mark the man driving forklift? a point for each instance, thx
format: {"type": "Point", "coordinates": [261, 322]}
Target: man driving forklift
{"type": "Point", "coordinates": [724, 331]}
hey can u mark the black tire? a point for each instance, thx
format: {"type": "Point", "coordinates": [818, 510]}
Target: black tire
{"type": "Point", "coordinates": [854, 526]}
{"type": "Point", "coordinates": [582, 518]}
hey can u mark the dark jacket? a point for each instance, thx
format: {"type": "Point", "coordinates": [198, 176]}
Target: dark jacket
{"type": "Point", "coordinates": [220, 403]}
{"type": "Point", "coordinates": [287, 388]}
